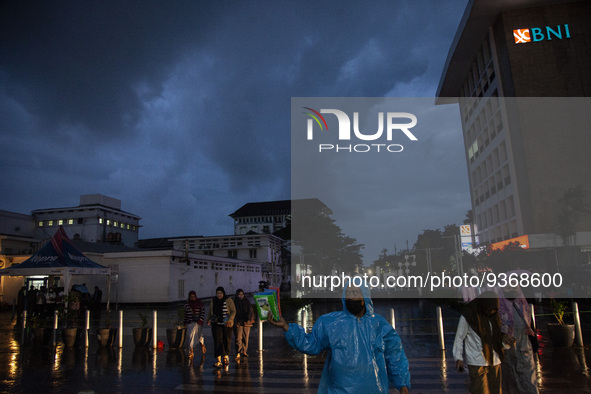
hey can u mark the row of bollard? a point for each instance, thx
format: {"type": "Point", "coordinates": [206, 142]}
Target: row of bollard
{"type": "Point", "coordinates": [87, 328]}
{"type": "Point", "coordinates": [575, 308]}
{"type": "Point", "coordinates": [440, 332]}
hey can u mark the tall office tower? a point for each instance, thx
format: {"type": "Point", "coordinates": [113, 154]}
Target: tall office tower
{"type": "Point", "coordinates": [520, 71]}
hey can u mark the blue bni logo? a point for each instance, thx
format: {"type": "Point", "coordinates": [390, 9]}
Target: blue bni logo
{"type": "Point", "coordinates": [535, 34]}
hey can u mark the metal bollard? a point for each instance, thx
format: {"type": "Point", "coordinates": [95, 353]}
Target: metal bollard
{"type": "Point", "coordinates": [55, 328]}
{"type": "Point", "coordinates": [86, 328]}
{"type": "Point", "coordinates": [24, 326]}
{"type": "Point", "coordinates": [260, 335]}
{"type": "Point", "coordinates": [440, 329]}
{"type": "Point", "coordinates": [305, 319]}
{"type": "Point", "coordinates": [578, 332]}
{"type": "Point", "coordinates": [392, 318]}
{"type": "Point", "coordinates": [533, 314]}
{"type": "Point", "coordinates": [120, 329]}
{"type": "Point", "coordinates": [155, 331]}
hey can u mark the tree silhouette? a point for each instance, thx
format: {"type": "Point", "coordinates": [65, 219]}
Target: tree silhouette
{"type": "Point", "coordinates": [322, 243]}
{"type": "Point", "coordinates": [570, 207]}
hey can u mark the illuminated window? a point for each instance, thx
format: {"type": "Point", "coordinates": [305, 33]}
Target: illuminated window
{"type": "Point", "coordinates": [40, 224]}
{"type": "Point", "coordinates": [60, 222]}
{"type": "Point", "coordinates": [70, 221]}
{"type": "Point", "coordinates": [50, 222]}
{"type": "Point", "coordinates": [114, 224]}
{"type": "Point", "coordinates": [100, 220]}
{"type": "Point", "coordinates": [122, 225]}
{"type": "Point", "coordinates": [108, 222]}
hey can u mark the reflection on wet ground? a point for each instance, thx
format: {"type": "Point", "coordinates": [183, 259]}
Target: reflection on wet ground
{"type": "Point", "coordinates": [27, 368]}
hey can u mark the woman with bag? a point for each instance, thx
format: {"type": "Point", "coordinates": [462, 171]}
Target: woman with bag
{"type": "Point", "coordinates": [244, 320]}
{"type": "Point", "coordinates": [221, 318]}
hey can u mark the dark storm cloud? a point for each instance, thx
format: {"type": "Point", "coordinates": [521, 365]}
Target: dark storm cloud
{"type": "Point", "coordinates": [181, 109]}
{"type": "Point", "coordinates": [80, 63]}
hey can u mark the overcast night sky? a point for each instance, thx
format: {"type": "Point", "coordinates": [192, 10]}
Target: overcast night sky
{"type": "Point", "coordinates": [181, 109]}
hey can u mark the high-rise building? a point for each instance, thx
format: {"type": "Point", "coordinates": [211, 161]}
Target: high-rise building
{"type": "Point", "coordinates": [520, 71]}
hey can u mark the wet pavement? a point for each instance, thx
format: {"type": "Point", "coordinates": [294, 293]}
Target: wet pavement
{"type": "Point", "coordinates": [277, 369]}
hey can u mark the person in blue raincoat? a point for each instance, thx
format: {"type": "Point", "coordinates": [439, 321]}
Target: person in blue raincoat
{"type": "Point", "coordinates": [365, 353]}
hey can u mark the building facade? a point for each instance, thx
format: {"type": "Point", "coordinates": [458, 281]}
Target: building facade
{"type": "Point", "coordinates": [519, 71]}
{"type": "Point", "coordinates": [98, 219]}
{"type": "Point", "coordinates": [160, 276]}
{"type": "Point", "coordinates": [17, 233]}
{"type": "Point", "coordinates": [262, 217]}
{"type": "Point", "coordinates": [262, 249]}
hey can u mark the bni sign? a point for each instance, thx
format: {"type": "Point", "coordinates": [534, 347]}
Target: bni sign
{"type": "Point", "coordinates": [465, 229]}
{"type": "Point", "coordinates": [535, 34]}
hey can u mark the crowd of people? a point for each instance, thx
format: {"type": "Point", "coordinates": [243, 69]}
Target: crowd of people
{"type": "Point", "coordinates": [494, 341]}
{"type": "Point", "coordinates": [228, 317]}
{"type": "Point", "coordinates": [496, 337]}
{"type": "Point", "coordinates": [42, 302]}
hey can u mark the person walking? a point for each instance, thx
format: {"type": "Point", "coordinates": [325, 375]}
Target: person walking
{"type": "Point", "coordinates": [518, 367]}
{"type": "Point", "coordinates": [40, 302]}
{"type": "Point", "coordinates": [97, 299]}
{"type": "Point", "coordinates": [365, 353]}
{"type": "Point", "coordinates": [244, 320]}
{"type": "Point", "coordinates": [193, 317]}
{"type": "Point", "coordinates": [21, 302]}
{"type": "Point", "coordinates": [221, 318]}
{"type": "Point", "coordinates": [50, 298]}
{"type": "Point", "coordinates": [31, 301]}
{"type": "Point", "coordinates": [479, 334]}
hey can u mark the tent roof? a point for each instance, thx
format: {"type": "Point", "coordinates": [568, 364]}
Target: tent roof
{"type": "Point", "coordinates": [57, 257]}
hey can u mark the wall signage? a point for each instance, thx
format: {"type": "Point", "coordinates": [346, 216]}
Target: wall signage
{"type": "Point", "coordinates": [536, 34]}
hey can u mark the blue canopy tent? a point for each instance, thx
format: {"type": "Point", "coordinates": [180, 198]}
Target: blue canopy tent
{"type": "Point", "coordinates": [59, 257]}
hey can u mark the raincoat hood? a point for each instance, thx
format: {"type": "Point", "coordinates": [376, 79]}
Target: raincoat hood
{"type": "Point", "coordinates": [369, 310]}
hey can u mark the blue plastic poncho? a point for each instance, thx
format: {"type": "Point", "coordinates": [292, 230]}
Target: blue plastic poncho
{"type": "Point", "coordinates": [364, 355]}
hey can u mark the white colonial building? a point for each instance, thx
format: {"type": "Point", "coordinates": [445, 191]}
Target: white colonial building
{"type": "Point", "coordinates": [262, 217]}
